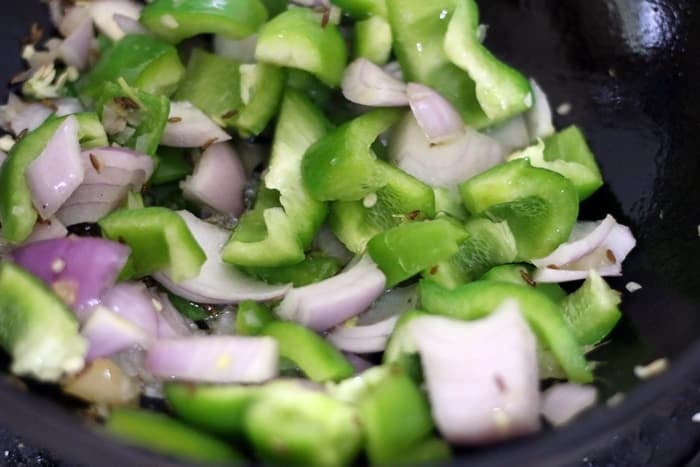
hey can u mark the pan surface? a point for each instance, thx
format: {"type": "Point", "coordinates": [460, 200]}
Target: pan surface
{"type": "Point", "coordinates": [629, 70]}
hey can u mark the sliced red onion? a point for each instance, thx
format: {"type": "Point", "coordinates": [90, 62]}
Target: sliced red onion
{"type": "Point", "coordinates": [135, 303]}
{"type": "Point", "coordinates": [108, 333]}
{"type": "Point", "coordinates": [444, 165]}
{"type": "Point", "coordinates": [58, 171]}
{"type": "Point", "coordinates": [601, 246]}
{"type": "Point", "coordinates": [79, 269]}
{"type": "Point", "coordinates": [539, 117]}
{"type": "Point", "coordinates": [366, 83]}
{"type": "Point", "coordinates": [103, 11]}
{"type": "Point", "coordinates": [170, 322]}
{"type": "Point", "coordinates": [17, 116]}
{"type": "Point", "coordinates": [217, 282]}
{"type": "Point", "coordinates": [47, 230]}
{"type": "Point", "coordinates": [328, 303]}
{"type": "Point", "coordinates": [481, 376]}
{"type": "Point", "coordinates": [72, 19]}
{"type": "Point", "coordinates": [218, 180]}
{"type": "Point", "coordinates": [435, 115]}
{"type": "Point", "coordinates": [75, 50]}
{"type": "Point", "coordinates": [512, 134]}
{"type": "Point", "coordinates": [214, 359]}
{"type": "Point", "coordinates": [562, 402]}
{"type": "Point", "coordinates": [129, 25]}
{"type": "Point", "coordinates": [358, 363]}
{"type": "Point", "coordinates": [242, 50]}
{"type": "Point", "coordinates": [189, 127]}
{"type": "Point", "coordinates": [363, 339]}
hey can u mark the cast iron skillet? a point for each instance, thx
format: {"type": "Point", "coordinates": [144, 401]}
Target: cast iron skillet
{"type": "Point", "coordinates": [630, 69]}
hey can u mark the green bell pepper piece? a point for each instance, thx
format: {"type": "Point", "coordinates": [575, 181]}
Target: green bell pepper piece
{"type": "Point", "coordinates": [522, 274]}
{"type": "Point", "coordinates": [487, 244]}
{"type": "Point", "coordinates": [396, 417]}
{"type": "Point", "coordinates": [252, 317]}
{"type": "Point", "coordinates": [188, 309]}
{"type": "Point", "coordinates": [164, 435]}
{"type": "Point", "coordinates": [175, 20]}
{"type": "Point", "coordinates": [213, 84]}
{"type": "Point", "coordinates": [133, 200]}
{"type": "Point", "coordinates": [297, 39]}
{"type": "Point", "coordinates": [146, 115]}
{"type": "Point", "coordinates": [293, 425]}
{"type": "Point", "coordinates": [276, 232]}
{"type": "Point", "coordinates": [419, 29]}
{"type": "Point", "coordinates": [479, 299]}
{"type": "Point", "coordinates": [262, 88]}
{"type": "Point", "coordinates": [502, 91]}
{"type": "Point", "coordinates": [146, 63]}
{"type": "Point", "coordinates": [449, 202]}
{"type": "Point", "coordinates": [312, 269]}
{"type": "Point", "coordinates": [36, 328]}
{"type": "Point", "coordinates": [400, 344]}
{"type": "Point", "coordinates": [275, 7]}
{"type": "Point", "coordinates": [172, 166]}
{"type": "Point", "coordinates": [402, 199]}
{"type": "Point", "coordinates": [342, 165]}
{"type": "Point", "coordinates": [362, 9]}
{"type": "Point", "coordinates": [216, 409]}
{"type": "Point", "coordinates": [591, 311]}
{"type": "Point", "coordinates": [159, 240]}
{"type": "Point", "coordinates": [406, 250]}
{"type": "Point", "coordinates": [568, 154]}
{"type": "Point", "coordinates": [312, 87]}
{"type": "Point", "coordinates": [17, 213]}
{"type": "Point", "coordinates": [539, 205]}
{"type": "Point", "coordinates": [318, 359]}
{"type": "Point", "coordinates": [373, 39]}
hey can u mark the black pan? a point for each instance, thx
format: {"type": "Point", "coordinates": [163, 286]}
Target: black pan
{"type": "Point", "coordinates": [630, 69]}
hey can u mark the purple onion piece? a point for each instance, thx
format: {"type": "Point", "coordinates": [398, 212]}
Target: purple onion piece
{"type": "Point", "coordinates": [103, 13]}
{"type": "Point", "coordinates": [17, 115]}
{"type": "Point", "coordinates": [135, 303]}
{"type": "Point", "coordinates": [170, 322]}
{"type": "Point", "coordinates": [189, 127]}
{"type": "Point", "coordinates": [47, 230]}
{"type": "Point", "coordinates": [435, 115]}
{"type": "Point", "coordinates": [75, 49]}
{"type": "Point", "coordinates": [108, 333]}
{"type": "Point", "coordinates": [562, 402]}
{"type": "Point", "coordinates": [363, 339]}
{"type": "Point", "coordinates": [366, 83]}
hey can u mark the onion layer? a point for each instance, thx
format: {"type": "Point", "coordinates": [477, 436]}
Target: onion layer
{"type": "Point", "coordinates": [108, 333]}
{"type": "Point", "coordinates": [365, 83]}
{"type": "Point", "coordinates": [189, 127]}
{"type": "Point", "coordinates": [46, 230]}
{"type": "Point", "coordinates": [435, 115]}
{"type": "Point", "coordinates": [103, 11]}
{"type": "Point", "coordinates": [135, 303]}
{"type": "Point", "coordinates": [562, 402]}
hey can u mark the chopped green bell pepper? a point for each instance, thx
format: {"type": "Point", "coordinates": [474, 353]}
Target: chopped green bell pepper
{"type": "Point", "coordinates": [277, 231]}
{"type": "Point", "coordinates": [262, 88]}
{"type": "Point", "coordinates": [189, 309]}
{"type": "Point", "coordinates": [159, 240]}
{"type": "Point", "coordinates": [297, 39]}
{"type": "Point", "coordinates": [312, 269]}
{"type": "Point", "coordinates": [502, 91]}
{"type": "Point", "coordinates": [162, 434]}
{"type": "Point", "coordinates": [406, 250]}
{"type": "Point", "coordinates": [305, 82]}
{"type": "Point", "coordinates": [373, 39]}
{"type": "Point", "coordinates": [361, 9]}
{"type": "Point", "coordinates": [522, 274]}
{"type": "Point", "coordinates": [316, 358]}
{"type": "Point", "coordinates": [539, 205]}
{"type": "Point", "coordinates": [172, 166]}
{"type": "Point", "coordinates": [144, 116]}
{"type": "Point", "coordinates": [252, 317]}
{"type": "Point", "coordinates": [36, 328]}
{"type": "Point", "coordinates": [175, 20]}
{"type": "Point", "coordinates": [478, 299]}
{"type": "Point", "coordinates": [146, 63]}
{"type": "Point", "coordinates": [17, 213]}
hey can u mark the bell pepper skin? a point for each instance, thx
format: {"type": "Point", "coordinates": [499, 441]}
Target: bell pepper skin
{"type": "Point", "coordinates": [402, 199]}
{"type": "Point", "coordinates": [36, 328]}
{"type": "Point", "coordinates": [146, 63]}
{"type": "Point", "coordinates": [159, 240]}
{"type": "Point", "coordinates": [502, 91]}
{"type": "Point", "coordinates": [262, 89]}
{"type": "Point", "coordinates": [188, 309]}
{"type": "Point", "coordinates": [316, 357]}
{"type": "Point", "coordinates": [146, 115]}
{"type": "Point", "coordinates": [539, 205]}
{"type": "Point", "coordinates": [312, 269]}
{"type": "Point", "coordinates": [162, 434]}
{"type": "Point", "coordinates": [406, 250]}
{"type": "Point", "coordinates": [297, 39]}
{"type": "Point", "coordinates": [277, 231]}
{"type": "Point", "coordinates": [522, 274]}
{"type": "Point", "coordinates": [212, 83]}
{"type": "Point", "coordinates": [361, 9]}
{"type": "Point", "coordinates": [17, 213]}
{"type": "Point", "coordinates": [373, 39]}
{"type": "Point", "coordinates": [592, 310]}
{"type": "Point", "coordinates": [342, 165]}
{"type": "Point", "coordinates": [252, 318]}
{"type": "Point", "coordinates": [175, 20]}
{"type": "Point", "coordinates": [171, 166]}
{"type": "Point", "coordinates": [478, 299]}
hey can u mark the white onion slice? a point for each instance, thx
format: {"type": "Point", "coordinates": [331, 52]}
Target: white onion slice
{"type": "Point", "coordinates": [17, 116]}
{"type": "Point", "coordinates": [363, 339]}
{"type": "Point", "coordinates": [58, 171]}
{"type": "Point", "coordinates": [394, 69]}
{"type": "Point", "coordinates": [539, 117]}
{"type": "Point", "coordinates": [218, 180]}
{"type": "Point", "coordinates": [242, 50]}
{"type": "Point", "coordinates": [108, 333]}
{"type": "Point", "coordinates": [512, 134]}
{"type": "Point", "coordinates": [129, 25]}
{"type": "Point", "coordinates": [435, 115]}
{"type": "Point", "coordinates": [189, 127]}
{"type": "Point", "coordinates": [103, 11]}
{"type": "Point", "coordinates": [601, 246]}
{"type": "Point", "coordinates": [481, 375]}
{"type": "Point", "coordinates": [328, 303]}
{"type": "Point", "coordinates": [46, 230]}
{"type": "Point", "coordinates": [133, 302]}
{"type": "Point", "coordinates": [75, 50]}
{"type": "Point", "coordinates": [368, 84]}
{"type": "Point", "coordinates": [214, 359]}
{"type": "Point", "coordinates": [562, 402]}
{"type": "Point", "coordinates": [217, 282]}
{"type": "Point", "coordinates": [444, 165]}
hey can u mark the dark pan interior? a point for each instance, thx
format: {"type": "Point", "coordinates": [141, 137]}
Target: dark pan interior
{"type": "Point", "coordinates": [630, 69]}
